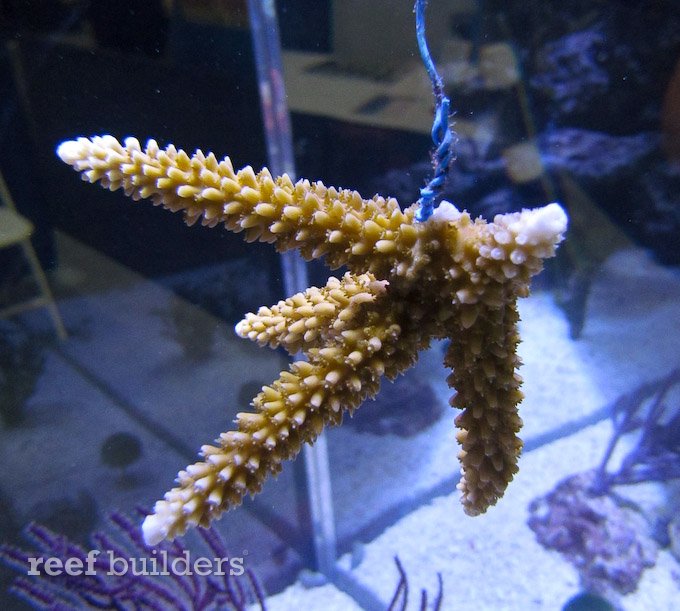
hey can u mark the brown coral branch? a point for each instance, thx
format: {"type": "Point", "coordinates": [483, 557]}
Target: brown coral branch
{"type": "Point", "coordinates": [317, 220]}
{"type": "Point", "coordinates": [484, 363]}
{"type": "Point", "coordinates": [409, 283]}
{"type": "Point", "coordinates": [291, 411]}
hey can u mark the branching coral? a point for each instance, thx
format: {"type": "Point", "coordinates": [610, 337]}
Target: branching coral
{"type": "Point", "coordinates": [407, 283]}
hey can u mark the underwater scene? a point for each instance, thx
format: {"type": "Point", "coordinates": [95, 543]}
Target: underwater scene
{"type": "Point", "coordinates": [410, 340]}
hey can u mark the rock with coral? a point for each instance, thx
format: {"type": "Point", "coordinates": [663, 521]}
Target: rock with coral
{"type": "Point", "coordinates": [609, 545]}
{"type": "Point", "coordinates": [571, 71]}
{"type": "Point", "coordinates": [592, 155]}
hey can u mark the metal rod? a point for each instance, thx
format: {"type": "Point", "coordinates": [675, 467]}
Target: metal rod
{"type": "Point", "coordinates": [265, 32]}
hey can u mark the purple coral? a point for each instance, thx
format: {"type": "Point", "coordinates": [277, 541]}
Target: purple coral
{"type": "Point", "coordinates": [399, 600]}
{"type": "Point", "coordinates": [609, 545]}
{"type": "Point", "coordinates": [656, 455]}
{"type": "Point", "coordinates": [142, 589]}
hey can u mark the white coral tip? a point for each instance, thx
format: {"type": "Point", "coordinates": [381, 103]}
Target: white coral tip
{"type": "Point", "coordinates": [541, 226]}
{"type": "Point", "coordinates": [155, 528]}
{"type": "Point", "coordinates": [132, 144]}
{"type": "Point", "coordinates": [551, 220]}
{"type": "Point", "coordinates": [445, 212]}
{"type": "Point", "coordinates": [240, 328]}
{"type": "Point", "coordinates": [70, 151]}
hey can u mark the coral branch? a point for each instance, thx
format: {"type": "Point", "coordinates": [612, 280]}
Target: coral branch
{"type": "Point", "coordinates": [309, 319]}
{"type": "Point", "coordinates": [484, 361]}
{"type": "Point", "coordinates": [409, 282]}
{"type": "Point", "coordinates": [315, 219]}
{"type": "Point", "coordinates": [290, 412]}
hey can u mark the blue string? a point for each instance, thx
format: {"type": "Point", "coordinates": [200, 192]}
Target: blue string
{"type": "Point", "coordinates": [442, 136]}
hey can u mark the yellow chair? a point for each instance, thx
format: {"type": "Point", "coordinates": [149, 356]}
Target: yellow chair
{"type": "Point", "coordinates": [16, 230]}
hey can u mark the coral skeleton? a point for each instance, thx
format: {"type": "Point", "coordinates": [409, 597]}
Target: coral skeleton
{"type": "Point", "coordinates": [407, 283]}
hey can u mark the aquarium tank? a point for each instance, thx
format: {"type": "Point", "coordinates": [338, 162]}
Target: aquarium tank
{"type": "Point", "coordinates": [410, 340]}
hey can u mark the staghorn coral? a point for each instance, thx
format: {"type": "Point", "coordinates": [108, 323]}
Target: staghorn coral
{"type": "Point", "coordinates": [408, 283]}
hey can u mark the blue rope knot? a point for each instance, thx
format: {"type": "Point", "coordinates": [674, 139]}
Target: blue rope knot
{"type": "Point", "coordinates": [441, 160]}
{"type": "Point", "coordinates": [442, 136]}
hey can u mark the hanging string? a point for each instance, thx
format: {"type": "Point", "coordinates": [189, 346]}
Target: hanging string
{"type": "Point", "coordinates": [442, 136]}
